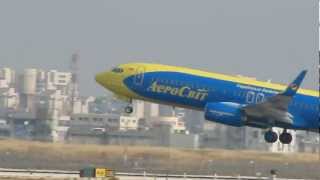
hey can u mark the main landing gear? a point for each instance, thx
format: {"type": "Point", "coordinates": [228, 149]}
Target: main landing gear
{"type": "Point", "coordinates": [272, 137]}
{"type": "Point", "coordinates": [285, 137]}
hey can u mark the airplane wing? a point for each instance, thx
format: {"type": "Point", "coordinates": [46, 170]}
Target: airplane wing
{"type": "Point", "coordinates": [275, 108]}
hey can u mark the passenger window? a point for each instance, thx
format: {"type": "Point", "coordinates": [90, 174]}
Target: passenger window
{"type": "Point", "coordinates": [117, 70]}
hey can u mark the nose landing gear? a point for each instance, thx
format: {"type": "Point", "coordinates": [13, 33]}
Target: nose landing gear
{"type": "Point", "coordinates": [128, 109]}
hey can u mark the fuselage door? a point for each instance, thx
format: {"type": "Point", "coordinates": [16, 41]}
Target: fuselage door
{"type": "Point", "coordinates": [139, 76]}
{"type": "Point", "coordinates": [250, 97]}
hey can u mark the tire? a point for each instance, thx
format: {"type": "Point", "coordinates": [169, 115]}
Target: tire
{"type": "Point", "coordinates": [270, 137]}
{"type": "Point", "coordinates": [285, 138]}
{"type": "Point", "coordinates": [128, 109]}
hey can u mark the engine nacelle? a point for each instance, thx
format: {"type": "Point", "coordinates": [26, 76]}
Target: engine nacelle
{"type": "Point", "coordinates": [226, 113]}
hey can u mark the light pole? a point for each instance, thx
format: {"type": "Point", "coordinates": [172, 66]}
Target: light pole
{"type": "Point", "coordinates": [210, 167]}
{"type": "Point", "coordinates": [252, 165]}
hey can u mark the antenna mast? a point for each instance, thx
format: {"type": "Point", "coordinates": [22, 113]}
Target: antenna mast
{"type": "Point", "coordinates": [74, 81]}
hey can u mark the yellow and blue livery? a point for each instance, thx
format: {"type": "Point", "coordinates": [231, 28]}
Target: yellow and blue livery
{"type": "Point", "coordinates": [231, 100]}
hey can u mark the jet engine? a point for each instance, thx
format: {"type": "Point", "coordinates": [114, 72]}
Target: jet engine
{"type": "Point", "coordinates": [226, 113]}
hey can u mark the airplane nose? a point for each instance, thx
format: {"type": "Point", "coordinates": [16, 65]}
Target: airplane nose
{"type": "Point", "coordinates": [108, 80]}
{"type": "Point", "coordinates": [99, 78]}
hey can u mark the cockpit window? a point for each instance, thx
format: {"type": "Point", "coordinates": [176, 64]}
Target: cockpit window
{"type": "Point", "coordinates": [117, 70]}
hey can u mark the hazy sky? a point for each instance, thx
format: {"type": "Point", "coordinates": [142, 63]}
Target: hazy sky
{"type": "Point", "coordinates": [268, 39]}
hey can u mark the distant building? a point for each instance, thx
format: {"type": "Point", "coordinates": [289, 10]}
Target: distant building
{"type": "Point", "coordinates": [165, 110]}
{"type": "Point", "coordinates": [61, 128]}
{"type": "Point", "coordinates": [151, 110]}
{"type": "Point", "coordinates": [56, 80]}
{"type": "Point", "coordinates": [7, 78]}
{"type": "Point", "coordinates": [41, 81]}
{"type": "Point", "coordinates": [90, 128]}
{"type": "Point", "coordinates": [82, 105]}
{"type": "Point", "coordinates": [254, 139]}
{"type": "Point", "coordinates": [27, 90]}
{"type": "Point", "coordinates": [177, 126]}
{"type": "Point", "coordinates": [4, 128]}
{"type": "Point", "coordinates": [194, 121]}
{"type": "Point", "coordinates": [108, 121]}
{"type": "Point", "coordinates": [139, 108]}
{"type": "Point", "coordinates": [190, 141]}
{"type": "Point", "coordinates": [217, 135]}
{"type": "Point", "coordinates": [159, 135]}
{"type": "Point", "coordinates": [57, 104]}
{"type": "Point", "coordinates": [9, 98]}
{"type": "Point", "coordinates": [213, 135]}
{"type": "Point", "coordinates": [101, 105]}
{"type": "Point", "coordinates": [128, 123]}
{"type": "Point", "coordinates": [308, 142]}
{"type": "Point", "coordinates": [85, 135]}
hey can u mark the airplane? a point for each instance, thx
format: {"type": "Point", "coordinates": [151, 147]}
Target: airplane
{"type": "Point", "coordinates": [230, 100]}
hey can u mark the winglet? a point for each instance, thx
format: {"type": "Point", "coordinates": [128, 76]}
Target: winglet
{"type": "Point", "coordinates": [295, 85]}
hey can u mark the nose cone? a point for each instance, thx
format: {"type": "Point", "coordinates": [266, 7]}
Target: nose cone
{"type": "Point", "coordinates": [98, 78]}
{"type": "Point", "coordinates": [102, 79]}
{"type": "Point", "coordinates": [109, 80]}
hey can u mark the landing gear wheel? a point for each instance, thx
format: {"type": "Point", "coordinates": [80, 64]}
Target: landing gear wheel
{"type": "Point", "coordinates": [270, 136]}
{"type": "Point", "coordinates": [128, 109]}
{"type": "Point", "coordinates": [285, 138]}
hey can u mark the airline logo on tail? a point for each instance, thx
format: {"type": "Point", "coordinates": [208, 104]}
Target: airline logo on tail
{"type": "Point", "coordinates": [294, 87]}
{"type": "Point", "coordinates": [185, 91]}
